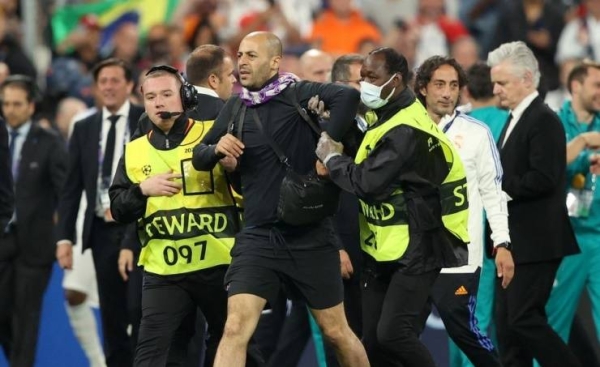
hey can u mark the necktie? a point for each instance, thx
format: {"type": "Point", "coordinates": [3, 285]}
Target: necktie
{"type": "Point", "coordinates": [14, 134]}
{"type": "Point", "coordinates": [109, 149]}
{"type": "Point", "coordinates": [500, 143]}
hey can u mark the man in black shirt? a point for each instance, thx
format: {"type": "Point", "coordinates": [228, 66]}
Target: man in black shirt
{"type": "Point", "coordinates": [269, 254]}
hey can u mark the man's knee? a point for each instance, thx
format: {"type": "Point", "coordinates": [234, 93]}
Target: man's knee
{"type": "Point", "coordinates": [237, 327]}
{"type": "Point", "coordinates": [74, 298]}
{"type": "Point", "coordinates": [334, 325]}
{"type": "Point", "coordinates": [336, 334]}
{"type": "Point", "coordinates": [243, 312]}
{"type": "Point", "coordinates": [391, 335]}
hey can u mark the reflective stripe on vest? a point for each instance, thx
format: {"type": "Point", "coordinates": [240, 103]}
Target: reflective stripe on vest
{"type": "Point", "coordinates": [194, 229]}
{"type": "Point", "coordinates": [384, 228]}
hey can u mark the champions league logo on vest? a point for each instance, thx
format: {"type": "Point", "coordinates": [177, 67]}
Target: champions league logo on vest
{"type": "Point", "coordinates": [147, 170]}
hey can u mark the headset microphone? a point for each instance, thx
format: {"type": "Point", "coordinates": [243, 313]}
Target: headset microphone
{"type": "Point", "coordinates": [165, 115]}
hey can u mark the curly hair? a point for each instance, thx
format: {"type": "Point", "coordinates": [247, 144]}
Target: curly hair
{"type": "Point", "coordinates": [426, 70]}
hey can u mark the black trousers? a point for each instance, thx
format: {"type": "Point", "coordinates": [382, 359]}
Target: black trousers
{"type": "Point", "coordinates": [169, 301]}
{"type": "Point", "coordinates": [191, 333]}
{"type": "Point", "coordinates": [392, 308]}
{"type": "Point", "coordinates": [117, 305]}
{"type": "Point", "coordinates": [293, 334]}
{"type": "Point", "coordinates": [22, 287]}
{"type": "Point", "coordinates": [455, 297]}
{"type": "Point", "coordinates": [521, 321]}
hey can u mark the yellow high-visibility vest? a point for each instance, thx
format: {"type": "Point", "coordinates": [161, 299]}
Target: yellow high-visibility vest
{"type": "Point", "coordinates": [194, 229]}
{"type": "Point", "coordinates": [384, 228]}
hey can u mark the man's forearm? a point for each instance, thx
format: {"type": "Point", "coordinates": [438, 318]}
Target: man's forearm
{"type": "Point", "coordinates": [205, 158]}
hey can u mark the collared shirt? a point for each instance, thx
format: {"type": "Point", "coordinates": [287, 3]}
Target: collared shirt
{"type": "Point", "coordinates": [20, 140]}
{"type": "Point", "coordinates": [518, 112]}
{"type": "Point", "coordinates": [207, 91]}
{"type": "Point", "coordinates": [122, 134]}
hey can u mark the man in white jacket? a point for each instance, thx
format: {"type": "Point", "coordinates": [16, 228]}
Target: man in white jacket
{"type": "Point", "coordinates": [438, 84]}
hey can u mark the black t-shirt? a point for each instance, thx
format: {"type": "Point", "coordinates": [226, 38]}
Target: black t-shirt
{"type": "Point", "coordinates": [260, 170]}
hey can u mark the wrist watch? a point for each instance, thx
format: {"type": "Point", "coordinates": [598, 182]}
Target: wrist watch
{"type": "Point", "coordinates": [505, 245]}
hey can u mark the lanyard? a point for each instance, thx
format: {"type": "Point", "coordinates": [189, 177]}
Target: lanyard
{"type": "Point", "coordinates": [449, 125]}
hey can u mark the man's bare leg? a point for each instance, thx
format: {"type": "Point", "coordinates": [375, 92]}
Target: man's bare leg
{"type": "Point", "coordinates": [348, 349]}
{"type": "Point", "coordinates": [243, 312]}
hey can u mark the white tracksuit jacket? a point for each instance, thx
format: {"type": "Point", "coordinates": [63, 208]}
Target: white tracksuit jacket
{"type": "Point", "coordinates": [481, 159]}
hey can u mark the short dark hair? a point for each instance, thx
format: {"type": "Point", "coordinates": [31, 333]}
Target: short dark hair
{"type": "Point", "coordinates": [479, 81]}
{"type": "Point", "coordinates": [580, 72]}
{"type": "Point", "coordinates": [113, 61]}
{"type": "Point", "coordinates": [340, 71]}
{"type": "Point", "coordinates": [426, 70]}
{"type": "Point", "coordinates": [395, 62]}
{"type": "Point", "coordinates": [204, 61]}
{"type": "Point", "coordinates": [25, 83]}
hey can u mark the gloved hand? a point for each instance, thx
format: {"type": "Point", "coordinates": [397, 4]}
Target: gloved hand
{"type": "Point", "coordinates": [327, 148]}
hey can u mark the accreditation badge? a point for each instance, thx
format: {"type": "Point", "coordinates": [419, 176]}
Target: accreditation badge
{"type": "Point", "coordinates": [580, 197]}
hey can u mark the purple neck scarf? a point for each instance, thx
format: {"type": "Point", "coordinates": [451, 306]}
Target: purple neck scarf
{"type": "Point", "coordinates": [254, 98]}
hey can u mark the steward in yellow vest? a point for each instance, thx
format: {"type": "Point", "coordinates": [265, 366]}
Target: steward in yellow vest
{"type": "Point", "coordinates": [413, 209]}
{"type": "Point", "coordinates": [193, 229]}
{"type": "Point", "coordinates": [186, 221]}
{"type": "Point", "coordinates": [425, 192]}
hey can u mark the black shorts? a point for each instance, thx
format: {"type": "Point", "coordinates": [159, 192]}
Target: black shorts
{"type": "Point", "coordinates": [311, 275]}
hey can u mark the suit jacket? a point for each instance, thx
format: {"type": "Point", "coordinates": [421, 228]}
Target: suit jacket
{"type": "Point", "coordinates": [534, 163]}
{"type": "Point", "coordinates": [83, 174]}
{"type": "Point", "coordinates": [39, 182]}
{"type": "Point", "coordinates": [6, 185]}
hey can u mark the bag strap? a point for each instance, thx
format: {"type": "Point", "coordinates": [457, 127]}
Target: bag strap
{"type": "Point", "coordinates": [282, 157]}
{"type": "Point", "coordinates": [230, 125]}
{"type": "Point", "coordinates": [315, 127]}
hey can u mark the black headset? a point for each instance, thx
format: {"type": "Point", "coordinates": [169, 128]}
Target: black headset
{"type": "Point", "coordinates": [188, 93]}
{"type": "Point", "coordinates": [30, 85]}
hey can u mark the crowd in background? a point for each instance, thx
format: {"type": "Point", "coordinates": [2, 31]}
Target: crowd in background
{"type": "Point", "coordinates": [557, 31]}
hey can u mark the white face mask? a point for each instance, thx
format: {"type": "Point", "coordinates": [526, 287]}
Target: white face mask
{"type": "Point", "coordinates": [370, 94]}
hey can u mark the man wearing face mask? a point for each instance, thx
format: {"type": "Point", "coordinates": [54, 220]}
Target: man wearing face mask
{"type": "Point", "coordinates": [413, 215]}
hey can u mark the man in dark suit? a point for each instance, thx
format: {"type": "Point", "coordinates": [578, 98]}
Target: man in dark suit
{"type": "Point", "coordinates": [38, 163]}
{"type": "Point", "coordinates": [94, 150]}
{"type": "Point", "coordinates": [210, 70]}
{"type": "Point", "coordinates": [6, 186]}
{"type": "Point", "coordinates": [533, 159]}
{"type": "Point", "coordinates": [7, 208]}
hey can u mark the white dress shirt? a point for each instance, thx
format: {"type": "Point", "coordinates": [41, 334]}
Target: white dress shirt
{"type": "Point", "coordinates": [122, 134]}
{"type": "Point", "coordinates": [207, 91]}
{"type": "Point", "coordinates": [518, 112]}
{"type": "Point", "coordinates": [19, 141]}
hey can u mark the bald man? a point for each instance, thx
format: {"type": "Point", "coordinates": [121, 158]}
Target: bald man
{"type": "Point", "coordinates": [315, 66]}
{"type": "Point", "coordinates": [68, 108]}
{"type": "Point", "coordinates": [269, 254]}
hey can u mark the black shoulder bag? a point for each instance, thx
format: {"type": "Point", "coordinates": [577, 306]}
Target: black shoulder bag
{"type": "Point", "coordinates": [303, 199]}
